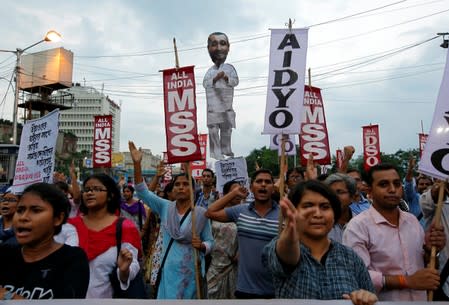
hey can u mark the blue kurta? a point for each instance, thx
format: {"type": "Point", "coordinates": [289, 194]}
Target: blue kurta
{"type": "Point", "coordinates": [178, 272]}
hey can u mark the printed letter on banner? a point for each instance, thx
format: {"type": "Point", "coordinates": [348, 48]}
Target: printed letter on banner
{"type": "Point", "coordinates": [371, 146]}
{"type": "Point", "coordinates": [290, 145]}
{"type": "Point", "coordinates": [197, 167]}
{"type": "Point", "coordinates": [180, 115]}
{"type": "Point", "coordinates": [285, 92]}
{"type": "Point", "coordinates": [36, 159]}
{"type": "Point", "coordinates": [422, 143]}
{"type": "Point", "coordinates": [168, 170]}
{"type": "Point", "coordinates": [102, 141]}
{"type": "Point", "coordinates": [435, 158]}
{"type": "Point", "coordinates": [313, 138]}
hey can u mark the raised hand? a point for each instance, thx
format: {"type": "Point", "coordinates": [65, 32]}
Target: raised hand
{"type": "Point", "coordinates": [124, 260]}
{"type": "Point", "coordinates": [136, 154]}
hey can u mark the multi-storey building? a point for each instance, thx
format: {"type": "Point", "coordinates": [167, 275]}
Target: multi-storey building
{"type": "Point", "coordinates": [79, 120]}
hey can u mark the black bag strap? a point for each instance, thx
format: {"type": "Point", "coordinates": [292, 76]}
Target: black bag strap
{"type": "Point", "coordinates": [140, 214]}
{"type": "Point", "coordinates": [159, 274]}
{"type": "Point", "coordinates": [118, 234]}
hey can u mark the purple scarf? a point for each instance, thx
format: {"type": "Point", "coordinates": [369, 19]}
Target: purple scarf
{"type": "Point", "coordinates": [134, 208]}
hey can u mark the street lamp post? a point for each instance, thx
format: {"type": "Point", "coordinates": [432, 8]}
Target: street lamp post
{"type": "Point", "coordinates": [50, 36]}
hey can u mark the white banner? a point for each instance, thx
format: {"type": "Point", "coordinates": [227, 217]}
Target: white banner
{"type": "Point", "coordinates": [285, 92]}
{"type": "Point", "coordinates": [36, 159]}
{"type": "Point", "coordinates": [435, 158]}
{"type": "Point", "coordinates": [290, 144]}
{"type": "Point", "coordinates": [231, 169]}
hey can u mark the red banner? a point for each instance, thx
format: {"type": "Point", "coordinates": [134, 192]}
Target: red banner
{"type": "Point", "coordinates": [102, 152]}
{"type": "Point", "coordinates": [371, 146]}
{"type": "Point", "coordinates": [313, 138]}
{"type": "Point", "coordinates": [339, 158]}
{"type": "Point", "coordinates": [180, 115]}
{"type": "Point", "coordinates": [168, 171]}
{"type": "Point", "coordinates": [422, 142]}
{"type": "Point", "coordinates": [197, 167]}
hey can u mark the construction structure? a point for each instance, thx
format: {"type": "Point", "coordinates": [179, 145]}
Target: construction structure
{"type": "Point", "coordinates": [87, 102]}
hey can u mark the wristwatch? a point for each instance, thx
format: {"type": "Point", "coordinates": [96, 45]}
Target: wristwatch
{"type": "Point", "coordinates": [8, 295]}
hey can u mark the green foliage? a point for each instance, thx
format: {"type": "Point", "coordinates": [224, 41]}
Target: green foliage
{"type": "Point", "coordinates": [268, 159]}
{"type": "Point", "coordinates": [398, 159]}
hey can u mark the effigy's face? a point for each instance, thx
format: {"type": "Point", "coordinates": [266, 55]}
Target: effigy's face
{"type": "Point", "coordinates": [218, 48]}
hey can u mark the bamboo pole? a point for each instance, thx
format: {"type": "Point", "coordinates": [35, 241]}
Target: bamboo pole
{"type": "Point", "coordinates": [196, 256]}
{"type": "Point", "coordinates": [437, 217]}
{"type": "Point", "coordinates": [281, 180]}
{"type": "Point", "coordinates": [176, 54]}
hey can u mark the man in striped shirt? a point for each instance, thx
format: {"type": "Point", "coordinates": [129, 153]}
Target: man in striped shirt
{"type": "Point", "coordinates": [257, 224]}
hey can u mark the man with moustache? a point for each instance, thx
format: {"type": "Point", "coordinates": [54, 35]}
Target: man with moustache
{"type": "Point", "coordinates": [257, 225]}
{"type": "Point", "coordinates": [391, 242]}
{"type": "Point", "coordinates": [219, 83]}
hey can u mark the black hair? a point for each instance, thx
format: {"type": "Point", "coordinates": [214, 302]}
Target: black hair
{"type": "Point", "coordinates": [167, 189]}
{"type": "Point", "coordinates": [261, 171]}
{"type": "Point", "coordinates": [129, 187]}
{"type": "Point", "coordinates": [208, 170]}
{"type": "Point", "coordinates": [55, 197]}
{"type": "Point", "coordinates": [113, 193]}
{"type": "Point", "coordinates": [319, 187]}
{"type": "Point", "coordinates": [423, 177]}
{"type": "Point", "coordinates": [378, 168]}
{"type": "Point", "coordinates": [216, 33]}
{"type": "Point", "coordinates": [352, 170]}
{"type": "Point", "coordinates": [175, 177]}
{"type": "Point", "coordinates": [298, 170]}
{"type": "Point", "coordinates": [63, 186]}
{"type": "Point", "coordinates": [227, 186]}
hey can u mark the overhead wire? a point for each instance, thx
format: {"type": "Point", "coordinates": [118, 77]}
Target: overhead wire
{"type": "Point", "coordinates": [379, 29]}
{"type": "Point", "coordinates": [2, 103]}
{"type": "Point", "coordinates": [374, 59]}
{"type": "Point", "coordinates": [356, 14]}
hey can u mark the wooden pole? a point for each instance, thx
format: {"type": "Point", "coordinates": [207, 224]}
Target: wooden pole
{"type": "Point", "coordinates": [196, 256]}
{"type": "Point", "coordinates": [281, 179]}
{"type": "Point", "coordinates": [176, 54]}
{"type": "Point", "coordinates": [437, 217]}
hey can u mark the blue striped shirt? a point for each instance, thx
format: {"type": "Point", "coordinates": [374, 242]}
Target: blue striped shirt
{"type": "Point", "coordinates": [254, 233]}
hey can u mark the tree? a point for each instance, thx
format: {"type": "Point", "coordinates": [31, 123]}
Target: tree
{"type": "Point", "coordinates": [398, 159]}
{"type": "Point", "coordinates": [265, 158]}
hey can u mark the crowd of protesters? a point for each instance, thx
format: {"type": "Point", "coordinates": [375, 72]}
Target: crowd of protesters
{"type": "Point", "coordinates": [347, 235]}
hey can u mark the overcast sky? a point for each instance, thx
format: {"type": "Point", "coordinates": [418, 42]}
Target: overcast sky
{"type": "Point", "coordinates": [373, 67]}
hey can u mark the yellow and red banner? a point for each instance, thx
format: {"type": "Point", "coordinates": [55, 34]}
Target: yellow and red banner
{"type": "Point", "coordinates": [180, 115]}
{"type": "Point", "coordinates": [371, 146]}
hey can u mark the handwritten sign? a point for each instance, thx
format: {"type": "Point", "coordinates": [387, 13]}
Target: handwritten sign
{"type": "Point", "coordinates": [36, 159]}
{"type": "Point", "coordinates": [231, 169]}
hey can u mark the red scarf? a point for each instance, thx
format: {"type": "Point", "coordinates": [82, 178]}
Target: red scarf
{"type": "Point", "coordinates": [95, 243]}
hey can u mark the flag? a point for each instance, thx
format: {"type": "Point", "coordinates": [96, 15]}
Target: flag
{"type": "Point", "coordinates": [180, 115]}
{"type": "Point", "coordinates": [285, 92]}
